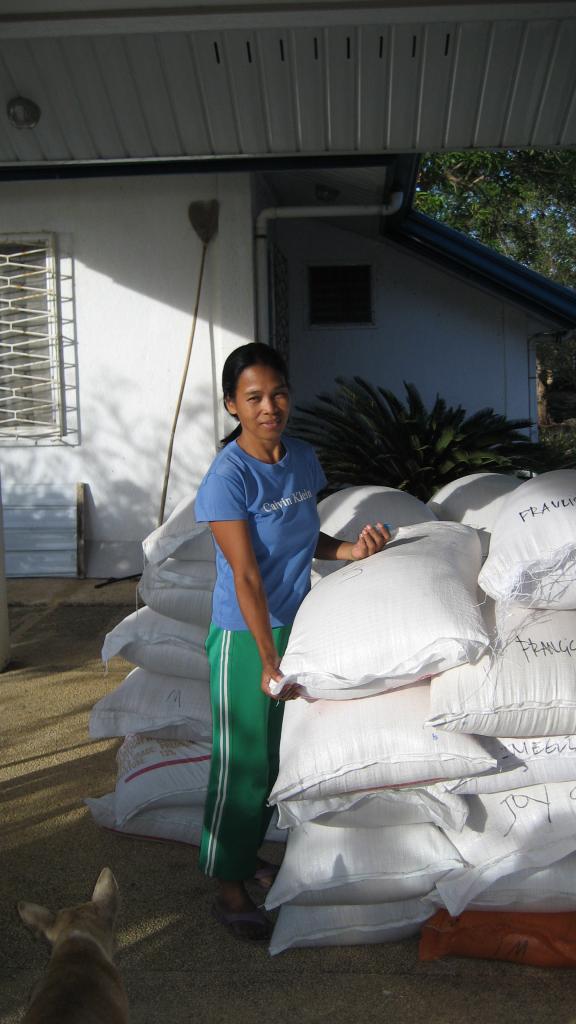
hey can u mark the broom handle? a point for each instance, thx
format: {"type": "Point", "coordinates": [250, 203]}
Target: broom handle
{"type": "Point", "coordinates": [182, 386]}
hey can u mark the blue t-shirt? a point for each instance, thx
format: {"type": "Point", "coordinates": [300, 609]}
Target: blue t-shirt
{"type": "Point", "coordinates": [279, 502]}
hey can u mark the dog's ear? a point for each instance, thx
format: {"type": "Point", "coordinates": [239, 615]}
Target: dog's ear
{"type": "Point", "coordinates": [106, 896]}
{"type": "Point", "coordinates": [38, 919]}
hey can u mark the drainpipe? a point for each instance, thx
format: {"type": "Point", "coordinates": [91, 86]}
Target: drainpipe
{"type": "Point", "coordinates": [295, 213]}
{"type": "Point", "coordinates": [536, 390]}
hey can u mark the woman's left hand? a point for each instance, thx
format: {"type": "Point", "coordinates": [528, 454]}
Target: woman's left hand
{"type": "Point", "coordinates": [370, 540]}
{"type": "Point", "coordinates": [272, 674]}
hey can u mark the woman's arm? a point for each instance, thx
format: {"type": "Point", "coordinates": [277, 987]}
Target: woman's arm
{"type": "Point", "coordinates": [370, 540]}
{"type": "Point", "coordinates": [233, 539]}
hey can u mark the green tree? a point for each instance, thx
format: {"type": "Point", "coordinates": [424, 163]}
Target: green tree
{"type": "Point", "coordinates": [520, 202]}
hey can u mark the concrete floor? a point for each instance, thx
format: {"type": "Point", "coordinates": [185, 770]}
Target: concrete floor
{"type": "Point", "coordinates": [178, 964]}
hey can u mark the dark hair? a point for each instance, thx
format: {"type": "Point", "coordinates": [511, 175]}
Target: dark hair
{"type": "Point", "coordinates": [253, 354]}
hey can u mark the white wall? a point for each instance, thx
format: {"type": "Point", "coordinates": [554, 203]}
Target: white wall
{"type": "Point", "coordinates": [136, 257]}
{"type": "Point", "coordinates": [135, 260]}
{"type": "Point", "coordinates": [430, 328]}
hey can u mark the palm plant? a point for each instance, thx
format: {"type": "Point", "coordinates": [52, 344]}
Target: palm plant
{"type": "Point", "coordinates": [366, 435]}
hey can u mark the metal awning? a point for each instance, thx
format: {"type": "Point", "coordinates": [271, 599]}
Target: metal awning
{"type": "Point", "coordinates": [285, 80]}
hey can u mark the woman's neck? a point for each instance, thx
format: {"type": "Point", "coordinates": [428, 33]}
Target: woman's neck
{"type": "Point", "coordinates": [271, 453]}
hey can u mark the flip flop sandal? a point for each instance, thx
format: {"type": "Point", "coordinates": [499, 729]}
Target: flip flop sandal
{"type": "Point", "coordinates": [249, 925]}
{"type": "Point", "coordinates": [265, 876]}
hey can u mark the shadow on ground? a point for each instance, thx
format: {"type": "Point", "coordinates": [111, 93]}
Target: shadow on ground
{"type": "Point", "coordinates": [179, 965]}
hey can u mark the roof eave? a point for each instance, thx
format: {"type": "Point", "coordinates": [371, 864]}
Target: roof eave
{"type": "Point", "coordinates": [481, 265]}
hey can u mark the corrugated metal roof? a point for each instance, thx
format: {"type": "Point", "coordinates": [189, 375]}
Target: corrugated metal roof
{"type": "Point", "coordinates": [133, 90]}
{"type": "Point", "coordinates": [482, 265]}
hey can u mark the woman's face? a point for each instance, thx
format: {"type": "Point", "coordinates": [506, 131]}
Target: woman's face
{"type": "Point", "coordinates": [261, 403]}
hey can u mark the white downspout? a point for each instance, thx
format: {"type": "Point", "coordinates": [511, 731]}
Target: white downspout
{"type": "Point", "coordinates": [294, 213]}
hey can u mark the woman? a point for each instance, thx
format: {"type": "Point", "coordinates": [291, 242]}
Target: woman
{"type": "Point", "coordinates": [259, 497]}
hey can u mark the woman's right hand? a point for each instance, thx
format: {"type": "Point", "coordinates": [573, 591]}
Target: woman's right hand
{"type": "Point", "coordinates": [272, 674]}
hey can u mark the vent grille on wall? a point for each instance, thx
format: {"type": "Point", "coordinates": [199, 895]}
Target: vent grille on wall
{"type": "Point", "coordinates": [340, 295]}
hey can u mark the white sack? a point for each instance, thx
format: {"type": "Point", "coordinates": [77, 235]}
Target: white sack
{"type": "Point", "coordinates": [180, 536]}
{"type": "Point", "coordinates": [347, 926]}
{"type": "Point", "coordinates": [525, 687]}
{"type": "Point", "coordinates": [401, 615]}
{"type": "Point", "coordinates": [547, 890]}
{"type": "Point", "coordinates": [165, 706]}
{"type": "Point", "coordinates": [159, 644]}
{"type": "Point", "coordinates": [532, 559]}
{"type": "Point", "coordinates": [179, 824]}
{"type": "Point", "coordinates": [474, 500]}
{"type": "Point", "coordinates": [532, 760]}
{"type": "Point", "coordinates": [510, 832]}
{"type": "Point", "coordinates": [197, 575]}
{"type": "Point", "coordinates": [335, 866]}
{"type": "Point", "coordinates": [159, 773]}
{"type": "Point", "coordinates": [333, 747]}
{"type": "Point", "coordinates": [345, 513]}
{"type": "Point", "coordinates": [180, 590]}
{"type": "Point", "coordinates": [376, 808]}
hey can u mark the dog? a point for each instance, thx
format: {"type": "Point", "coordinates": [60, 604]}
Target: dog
{"type": "Point", "coordinates": [81, 985]}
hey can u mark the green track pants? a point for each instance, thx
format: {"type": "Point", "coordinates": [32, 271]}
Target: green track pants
{"type": "Point", "coordinates": [246, 726]}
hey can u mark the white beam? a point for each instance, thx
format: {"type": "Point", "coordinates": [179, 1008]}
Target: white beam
{"type": "Point", "coordinates": [34, 19]}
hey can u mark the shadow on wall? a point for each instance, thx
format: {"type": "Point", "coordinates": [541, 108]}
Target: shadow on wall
{"type": "Point", "coordinates": [134, 275]}
{"type": "Point", "coordinates": [122, 462]}
{"type": "Point", "coordinates": [139, 234]}
{"type": "Point", "coordinates": [126, 461]}
{"type": "Point", "coordinates": [443, 334]}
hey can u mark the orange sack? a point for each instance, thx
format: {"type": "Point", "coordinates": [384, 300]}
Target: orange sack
{"type": "Point", "coordinates": [542, 940]}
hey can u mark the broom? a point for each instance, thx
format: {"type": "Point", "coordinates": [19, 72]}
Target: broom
{"type": "Point", "coordinates": [204, 219]}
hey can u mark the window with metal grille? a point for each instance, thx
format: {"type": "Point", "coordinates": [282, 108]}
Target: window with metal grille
{"type": "Point", "coordinates": [340, 294]}
{"type": "Point", "coordinates": [31, 405]}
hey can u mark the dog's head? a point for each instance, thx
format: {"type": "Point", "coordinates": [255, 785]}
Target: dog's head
{"type": "Point", "coordinates": [94, 920]}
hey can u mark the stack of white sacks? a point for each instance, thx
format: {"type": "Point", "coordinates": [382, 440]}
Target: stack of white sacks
{"type": "Point", "coordinates": [433, 759]}
{"type": "Point", "coordinates": [162, 707]}
{"type": "Point", "coordinates": [367, 785]}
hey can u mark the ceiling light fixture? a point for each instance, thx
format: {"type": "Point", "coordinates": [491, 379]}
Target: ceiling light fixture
{"type": "Point", "coordinates": [326, 194]}
{"type": "Point", "coordinates": [22, 112]}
